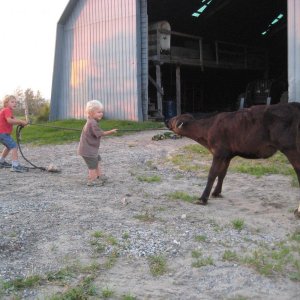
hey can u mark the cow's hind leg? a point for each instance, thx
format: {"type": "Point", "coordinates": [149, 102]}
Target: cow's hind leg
{"type": "Point", "coordinates": [215, 169]}
{"type": "Point", "coordinates": [222, 173]}
{"type": "Point", "coordinates": [294, 158]}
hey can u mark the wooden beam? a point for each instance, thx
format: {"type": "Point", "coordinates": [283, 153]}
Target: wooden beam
{"type": "Point", "coordinates": [158, 88]}
{"type": "Point", "coordinates": [178, 90]}
{"type": "Point", "coordinates": [159, 96]}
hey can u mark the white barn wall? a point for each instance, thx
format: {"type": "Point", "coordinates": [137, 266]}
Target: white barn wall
{"type": "Point", "coordinates": [97, 57]}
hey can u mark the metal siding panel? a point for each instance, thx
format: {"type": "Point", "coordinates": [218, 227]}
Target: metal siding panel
{"type": "Point", "coordinates": [56, 78]}
{"type": "Point", "coordinates": [100, 59]}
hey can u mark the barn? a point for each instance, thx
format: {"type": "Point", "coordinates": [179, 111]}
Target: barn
{"type": "Point", "coordinates": [146, 59]}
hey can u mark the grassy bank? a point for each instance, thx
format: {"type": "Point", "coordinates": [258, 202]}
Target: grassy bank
{"type": "Point", "coordinates": [43, 135]}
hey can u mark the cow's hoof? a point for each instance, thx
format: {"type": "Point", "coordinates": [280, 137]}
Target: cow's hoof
{"type": "Point", "coordinates": [200, 202]}
{"type": "Point", "coordinates": [217, 195]}
{"type": "Point", "coordinates": [297, 213]}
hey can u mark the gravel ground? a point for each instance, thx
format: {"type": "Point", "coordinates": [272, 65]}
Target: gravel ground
{"type": "Point", "coordinates": [48, 221]}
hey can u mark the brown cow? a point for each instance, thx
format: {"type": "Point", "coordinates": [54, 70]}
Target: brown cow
{"type": "Point", "coordinates": [255, 132]}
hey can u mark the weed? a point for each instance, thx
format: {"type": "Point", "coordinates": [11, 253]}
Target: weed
{"type": "Point", "coordinates": [126, 236]}
{"type": "Point", "coordinates": [59, 275]}
{"type": "Point", "coordinates": [178, 176]}
{"type": "Point", "coordinates": [238, 224]}
{"type": "Point", "coordinates": [107, 293]}
{"type": "Point", "coordinates": [158, 265]}
{"type": "Point", "coordinates": [146, 217]}
{"type": "Point", "coordinates": [112, 240]}
{"type": "Point", "coordinates": [128, 297]}
{"type": "Point", "coordinates": [295, 237]}
{"type": "Point", "coordinates": [98, 246]}
{"type": "Point", "coordinates": [111, 260]}
{"type": "Point", "coordinates": [149, 179]}
{"type": "Point", "coordinates": [196, 253]}
{"type": "Point", "coordinates": [201, 262]}
{"type": "Point", "coordinates": [200, 238]}
{"type": "Point", "coordinates": [230, 255]}
{"type": "Point", "coordinates": [215, 225]}
{"type": "Point", "coordinates": [98, 234]}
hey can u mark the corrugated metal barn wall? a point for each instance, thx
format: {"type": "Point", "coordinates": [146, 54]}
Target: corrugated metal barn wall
{"type": "Point", "coordinates": [142, 23]}
{"type": "Point", "coordinates": [98, 57]}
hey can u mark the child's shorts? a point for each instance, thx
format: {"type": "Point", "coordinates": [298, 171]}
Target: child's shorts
{"type": "Point", "coordinates": [92, 162]}
{"type": "Point", "coordinates": [7, 141]}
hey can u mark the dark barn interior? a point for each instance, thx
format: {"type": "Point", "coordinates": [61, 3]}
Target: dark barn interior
{"type": "Point", "coordinates": [243, 53]}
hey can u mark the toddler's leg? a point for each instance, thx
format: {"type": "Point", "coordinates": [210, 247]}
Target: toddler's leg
{"type": "Point", "coordinates": [98, 170]}
{"type": "Point", "coordinates": [93, 174]}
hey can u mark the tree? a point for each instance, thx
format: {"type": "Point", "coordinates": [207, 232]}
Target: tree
{"type": "Point", "coordinates": [36, 103]}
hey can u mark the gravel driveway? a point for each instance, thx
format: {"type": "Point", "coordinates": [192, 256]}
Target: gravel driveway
{"type": "Point", "coordinates": [50, 222]}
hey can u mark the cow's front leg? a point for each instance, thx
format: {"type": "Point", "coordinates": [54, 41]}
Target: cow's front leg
{"type": "Point", "coordinates": [213, 173]}
{"type": "Point", "coordinates": [297, 212]}
{"type": "Point", "coordinates": [223, 170]}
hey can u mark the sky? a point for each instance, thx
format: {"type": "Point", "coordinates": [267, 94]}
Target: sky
{"type": "Point", "coordinates": [27, 44]}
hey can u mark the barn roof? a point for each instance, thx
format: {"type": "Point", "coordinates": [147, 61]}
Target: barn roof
{"type": "Point", "coordinates": [241, 21]}
{"type": "Point", "coordinates": [67, 11]}
{"type": "Point", "coordinates": [231, 20]}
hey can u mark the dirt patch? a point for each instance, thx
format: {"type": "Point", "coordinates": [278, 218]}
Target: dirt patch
{"type": "Point", "coordinates": [50, 222]}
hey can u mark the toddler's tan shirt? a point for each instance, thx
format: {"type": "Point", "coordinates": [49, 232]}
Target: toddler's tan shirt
{"type": "Point", "coordinates": [90, 139]}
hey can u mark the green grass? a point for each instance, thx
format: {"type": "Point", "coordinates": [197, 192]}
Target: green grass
{"type": "Point", "coordinates": [149, 179]}
{"type": "Point", "coordinates": [22, 283]}
{"type": "Point", "coordinates": [281, 259]}
{"type": "Point", "coordinates": [40, 135]}
{"type": "Point", "coordinates": [195, 158]}
{"type": "Point", "coordinates": [178, 195]}
{"type": "Point", "coordinates": [81, 291]}
{"type": "Point", "coordinates": [190, 158]}
{"type": "Point", "coordinates": [61, 277]}
{"type": "Point", "coordinates": [277, 164]}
